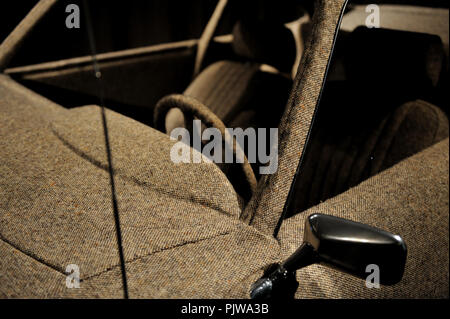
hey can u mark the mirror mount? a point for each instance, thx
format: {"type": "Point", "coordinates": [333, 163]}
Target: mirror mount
{"type": "Point", "coordinates": [341, 244]}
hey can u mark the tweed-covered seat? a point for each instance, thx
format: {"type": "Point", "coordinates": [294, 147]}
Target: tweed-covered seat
{"type": "Point", "coordinates": [185, 233]}
{"type": "Point", "coordinates": [176, 219]}
{"type": "Point", "coordinates": [354, 137]}
{"type": "Point", "coordinates": [385, 116]}
{"type": "Point", "coordinates": [242, 92]}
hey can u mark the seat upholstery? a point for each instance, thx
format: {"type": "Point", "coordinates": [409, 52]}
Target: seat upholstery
{"type": "Point", "coordinates": [232, 89]}
{"type": "Point", "coordinates": [243, 93]}
{"type": "Point", "coordinates": [265, 42]}
{"type": "Point", "coordinates": [236, 89]}
{"type": "Point", "coordinates": [54, 172]}
{"type": "Point", "coordinates": [351, 144]}
{"type": "Point", "coordinates": [181, 232]}
{"type": "Point", "coordinates": [410, 198]}
{"type": "Point", "coordinates": [381, 120]}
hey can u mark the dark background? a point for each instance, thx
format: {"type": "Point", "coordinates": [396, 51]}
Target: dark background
{"type": "Point", "coordinates": [117, 25]}
{"type": "Point", "coordinates": [127, 24]}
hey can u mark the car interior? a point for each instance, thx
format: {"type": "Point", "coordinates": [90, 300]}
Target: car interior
{"type": "Point", "coordinates": [384, 96]}
{"type": "Point", "coordinates": [393, 107]}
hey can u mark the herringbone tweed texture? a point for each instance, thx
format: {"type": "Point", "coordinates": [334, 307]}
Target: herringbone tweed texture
{"type": "Point", "coordinates": [182, 236]}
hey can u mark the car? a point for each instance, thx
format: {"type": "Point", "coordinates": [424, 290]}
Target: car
{"type": "Point", "coordinates": [225, 149]}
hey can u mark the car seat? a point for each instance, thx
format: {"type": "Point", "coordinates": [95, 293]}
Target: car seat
{"type": "Point", "coordinates": [391, 78]}
{"type": "Point", "coordinates": [242, 93]}
{"type": "Point", "coordinates": [184, 235]}
{"type": "Point", "coordinates": [378, 115]}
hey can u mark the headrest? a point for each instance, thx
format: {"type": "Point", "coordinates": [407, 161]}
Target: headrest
{"type": "Point", "coordinates": [407, 62]}
{"type": "Point", "coordinates": [263, 42]}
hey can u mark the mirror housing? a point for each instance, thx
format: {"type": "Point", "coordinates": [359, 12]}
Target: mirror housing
{"type": "Point", "coordinates": [342, 244]}
{"type": "Point", "coordinates": [351, 247]}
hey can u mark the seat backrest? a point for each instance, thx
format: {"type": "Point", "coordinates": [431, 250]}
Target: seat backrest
{"type": "Point", "coordinates": [400, 64]}
{"type": "Point", "coordinates": [242, 93]}
{"type": "Point", "coordinates": [375, 118]}
{"type": "Point", "coordinates": [266, 43]}
{"type": "Point", "coordinates": [231, 87]}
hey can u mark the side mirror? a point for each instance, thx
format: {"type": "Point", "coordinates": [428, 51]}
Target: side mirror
{"type": "Point", "coordinates": [342, 244]}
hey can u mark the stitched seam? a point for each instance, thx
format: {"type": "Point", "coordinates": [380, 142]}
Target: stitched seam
{"type": "Point", "coordinates": [109, 268]}
{"type": "Point", "coordinates": [157, 252]}
{"type": "Point", "coordinates": [31, 255]}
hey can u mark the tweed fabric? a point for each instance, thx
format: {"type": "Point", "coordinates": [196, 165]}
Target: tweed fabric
{"type": "Point", "coordinates": [223, 84]}
{"type": "Point", "coordinates": [240, 94]}
{"type": "Point", "coordinates": [237, 94]}
{"type": "Point", "coordinates": [182, 235]}
{"type": "Point", "coordinates": [54, 167]}
{"type": "Point", "coordinates": [409, 199]}
{"type": "Point", "coordinates": [267, 203]}
{"type": "Point", "coordinates": [195, 109]}
{"type": "Point", "coordinates": [54, 173]}
{"type": "Point", "coordinates": [175, 247]}
{"type": "Point", "coordinates": [221, 87]}
{"type": "Point", "coordinates": [342, 154]}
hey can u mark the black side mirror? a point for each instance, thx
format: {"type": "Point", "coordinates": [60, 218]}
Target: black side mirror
{"type": "Point", "coordinates": [342, 244]}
